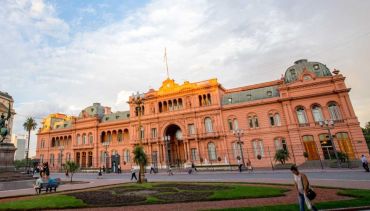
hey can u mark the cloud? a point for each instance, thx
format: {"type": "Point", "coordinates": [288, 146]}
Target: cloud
{"type": "Point", "coordinates": [240, 43]}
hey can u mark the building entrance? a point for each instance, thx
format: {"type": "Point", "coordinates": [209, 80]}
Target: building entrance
{"type": "Point", "coordinates": [175, 153]}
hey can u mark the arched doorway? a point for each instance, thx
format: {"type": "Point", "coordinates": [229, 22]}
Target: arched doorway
{"type": "Point", "coordinates": [175, 152]}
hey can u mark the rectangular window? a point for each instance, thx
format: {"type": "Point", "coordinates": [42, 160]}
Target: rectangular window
{"type": "Point", "coordinates": [191, 129]}
{"type": "Point", "coordinates": [142, 133]}
{"type": "Point", "coordinates": [194, 154]}
{"type": "Point", "coordinates": [154, 132]}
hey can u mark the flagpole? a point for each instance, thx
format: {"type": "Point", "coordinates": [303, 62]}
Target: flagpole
{"type": "Point", "coordinates": [165, 59]}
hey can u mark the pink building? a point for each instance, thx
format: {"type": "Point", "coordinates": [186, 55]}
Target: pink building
{"type": "Point", "coordinates": [198, 120]}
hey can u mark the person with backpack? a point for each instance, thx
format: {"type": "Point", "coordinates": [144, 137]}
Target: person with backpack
{"type": "Point", "coordinates": [305, 192]}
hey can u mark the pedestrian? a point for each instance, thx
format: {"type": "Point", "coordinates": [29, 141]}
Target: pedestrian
{"type": "Point", "coordinates": [170, 171]}
{"type": "Point", "coordinates": [46, 168]}
{"type": "Point", "coordinates": [365, 164]}
{"type": "Point", "coordinates": [67, 174]}
{"type": "Point", "coordinates": [239, 165]}
{"type": "Point", "coordinates": [119, 169]}
{"type": "Point", "coordinates": [100, 174]}
{"type": "Point", "coordinates": [152, 169]}
{"type": "Point", "coordinates": [193, 166]}
{"type": "Point", "coordinates": [249, 165]}
{"type": "Point", "coordinates": [133, 174]}
{"type": "Point", "coordinates": [104, 169]}
{"type": "Point", "coordinates": [305, 192]}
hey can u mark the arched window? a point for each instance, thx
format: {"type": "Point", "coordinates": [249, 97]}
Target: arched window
{"type": "Point", "coordinates": [78, 139]}
{"type": "Point", "coordinates": [84, 139]}
{"type": "Point", "coordinates": [180, 103]}
{"type": "Point", "coordinates": [170, 107]}
{"type": "Point", "coordinates": [280, 143]}
{"type": "Point", "coordinates": [91, 138]}
{"type": "Point", "coordinates": [212, 151]}
{"type": "Point", "coordinates": [253, 121]}
{"type": "Point", "coordinates": [334, 111]}
{"type": "Point", "coordinates": [160, 107]}
{"type": "Point", "coordinates": [258, 148]}
{"type": "Point", "coordinates": [317, 113]}
{"type": "Point", "coordinates": [274, 119]}
{"type": "Point", "coordinates": [119, 136]}
{"type": "Point", "coordinates": [175, 104]}
{"type": "Point", "coordinates": [230, 124]}
{"type": "Point", "coordinates": [200, 100]}
{"type": "Point", "coordinates": [209, 100]}
{"type": "Point", "coordinates": [208, 124]}
{"type": "Point", "coordinates": [277, 119]}
{"type": "Point", "coordinates": [126, 155]}
{"type": "Point", "coordinates": [125, 134]}
{"type": "Point", "coordinates": [236, 125]}
{"type": "Point", "coordinates": [301, 115]}
{"type": "Point", "coordinates": [236, 150]}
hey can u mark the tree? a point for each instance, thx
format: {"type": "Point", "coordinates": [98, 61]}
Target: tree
{"type": "Point", "coordinates": [366, 132]}
{"type": "Point", "coordinates": [72, 167]}
{"type": "Point", "coordinates": [29, 125]}
{"type": "Point", "coordinates": [141, 159]}
{"type": "Point", "coordinates": [282, 156]}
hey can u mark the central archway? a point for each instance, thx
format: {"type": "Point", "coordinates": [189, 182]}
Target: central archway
{"type": "Point", "coordinates": [175, 147]}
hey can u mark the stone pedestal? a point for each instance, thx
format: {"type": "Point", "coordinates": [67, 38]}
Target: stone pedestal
{"type": "Point", "coordinates": [7, 151]}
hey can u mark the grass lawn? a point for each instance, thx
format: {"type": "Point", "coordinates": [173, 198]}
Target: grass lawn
{"type": "Point", "coordinates": [148, 193]}
{"type": "Point", "coordinates": [362, 198]}
{"type": "Point", "coordinates": [52, 201]}
{"type": "Point", "coordinates": [238, 192]}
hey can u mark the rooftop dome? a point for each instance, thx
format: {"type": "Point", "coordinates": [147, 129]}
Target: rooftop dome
{"type": "Point", "coordinates": [292, 73]}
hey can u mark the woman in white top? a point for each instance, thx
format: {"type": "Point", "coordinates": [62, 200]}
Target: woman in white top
{"type": "Point", "coordinates": [302, 185]}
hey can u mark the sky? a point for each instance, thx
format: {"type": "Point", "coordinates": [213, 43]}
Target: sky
{"type": "Point", "coordinates": [64, 55]}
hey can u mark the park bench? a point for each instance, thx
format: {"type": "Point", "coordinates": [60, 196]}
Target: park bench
{"type": "Point", "coordinates": [49, 186]}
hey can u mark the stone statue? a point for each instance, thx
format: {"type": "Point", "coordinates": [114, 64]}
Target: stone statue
{"type": "Point", "coordinates": [3, 126]}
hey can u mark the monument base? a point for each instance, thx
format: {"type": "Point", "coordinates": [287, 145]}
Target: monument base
{"type": "Point", "coordinates": [7, 151]}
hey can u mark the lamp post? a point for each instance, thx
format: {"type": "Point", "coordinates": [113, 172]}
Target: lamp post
{"type": "Point", "coordinates": [327, 125]}
{"type": "Point", "coordinates": [166, 140]}
{"type": "Point", "coordinates": [106, 145]}
{"type": "Point", "coordinates": [61, 149]}
{"type": "Point", "coordinates": [138, 101]}
{"type": "Point", "coordinates": [239, 133]}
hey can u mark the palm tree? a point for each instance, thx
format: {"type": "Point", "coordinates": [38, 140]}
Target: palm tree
{"type": "Point", "coordinates": [28, 125]}
{"type": "Point", "coordinates": [282, 156]}
{"type": "Point", "coordinates": [71, 167]}
{"type": "Point", "coordinates": [141, 159]}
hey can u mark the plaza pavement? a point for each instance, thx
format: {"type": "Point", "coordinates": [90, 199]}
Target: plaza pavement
{"type": "Point", "coordinates": [341, 178]}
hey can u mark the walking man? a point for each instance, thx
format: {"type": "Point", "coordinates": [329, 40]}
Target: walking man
{"type": "Point", "coordinates": [193, 166]}
{"type": "Point", "coordinates": [152, 169]}
{"type": "Point", "coordinates": [240, 165]}
{"type": "Point", "coordinates": [303, 186]}
{"type": "Point", "coordinates": [133, 174]}
{"type": "Point", "coordinates": [365, 164]}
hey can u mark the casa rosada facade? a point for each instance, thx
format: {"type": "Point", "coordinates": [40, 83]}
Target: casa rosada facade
{"type": "Point", "coordinates": [199, 122]}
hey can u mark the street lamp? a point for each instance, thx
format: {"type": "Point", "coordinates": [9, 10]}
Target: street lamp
{"type": "Point", "coordinates": [106, 145]}
{"type": "Point", "coordinates": [138, 101]}
{"type": "Point", "coordinates": [327, 125]}
{"type": "Point", "coordinates": [61, 149]}
{"type": "Point", "coordinates": [166, 140]}
{"type": "Point", "coordinates": [238, 133]}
